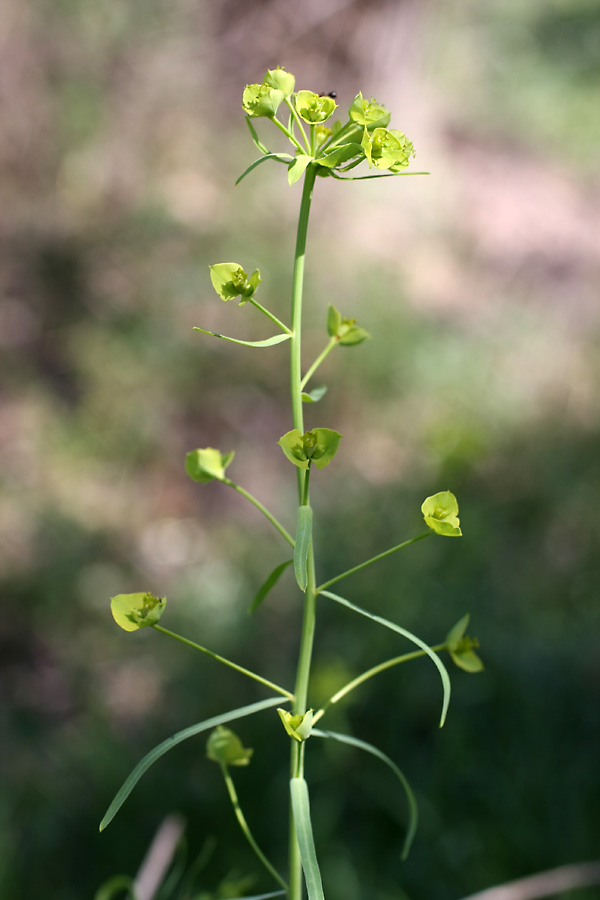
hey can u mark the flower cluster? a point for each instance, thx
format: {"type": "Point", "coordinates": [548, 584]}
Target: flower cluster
{"type": "Point", "coordinates": [333, 148]}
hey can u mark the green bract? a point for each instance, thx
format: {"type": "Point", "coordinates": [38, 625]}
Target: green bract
{"type": "Point", "coordinates": [441, 514]}
{"type": "Point", "coordinates": [297, 167]}
{"type": "Point", "coordinates": [298, 727]}
{"type": "Point", "coordinates": [346, 331]}
{"type": "Point", "coordinates": [313, 108]}
{"type": "Point", "coordinates": [207, 464]}
{"type": "Point", "coordinates": [281, 80]}
{"type": "Point", "coordinates": [225, 747]}
{"type": "Point", "coordinates": [368, 112]}
{"type": "Point", "coordinates": [340, 155]}
{"type": "Point", "coordinates": [133, 611]}
{"type": "Point", "coordinates": [229, 281]}
{"type": "Point", "coordinates": [261, 100]}
{"type": "Point", "coordinates": [460, 647]}
{"type": "Point", "coordinates": [319, 446]}
{"type": "Point", "coordinates": [386, 149]}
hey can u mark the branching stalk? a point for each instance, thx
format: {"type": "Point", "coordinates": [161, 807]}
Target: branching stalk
{"type": "Point", "coordinates": [226, 662]}
{"type": "Point", "coordinates": [373, 559]}
{"type": "Point", "coordinates": [269, 315]}
{"type": "Point", "coordinates": [263, 509]}
{"type": "Point", "coordinates": [288, 134]}
{"type": "Point", "coordinates": [318, 362]}
{"type": "Point", "coordinates": [297, 120]}
{"type": "Point", "coordinates": [246, 830]}
{"type": "Point", "coordinates": [360, 679]}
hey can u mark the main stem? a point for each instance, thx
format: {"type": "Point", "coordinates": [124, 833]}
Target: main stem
{"type": "Point", "coordinates": [310, 595]}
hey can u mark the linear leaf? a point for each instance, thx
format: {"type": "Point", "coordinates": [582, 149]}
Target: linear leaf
{"type": "Point", "coordinates": [306, 841]}
{"type": "Point", "coordinates": [255, 139]}
{"type": "Point", "coordinates": [269, 584]}
{"type": "Point", "coordinates": [413, 813]}
{"type": "Point", "coordinates": [280, 157]}
{"type": "Point", "coordinates": [277, 339]}
{"type": "Point", "coordinates": [340, 155]}
{"type": "Point", "coordinates": [158, 751]}
{"type": "Point", "coordinates": [303, 536]}
{"type": "Point", "coordinates": [368, 177]}
{"type": "Point", "coordinates": [411, 637]}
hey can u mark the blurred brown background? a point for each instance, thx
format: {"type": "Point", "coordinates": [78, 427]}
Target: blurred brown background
{"type": "Point", "coordinates": [121, 135]}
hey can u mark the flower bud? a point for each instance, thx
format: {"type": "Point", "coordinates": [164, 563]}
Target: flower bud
{"type": "Point", "coordinates": [280, 80]}
{"type": "Point", "coordinates": [461, 647]}
{"type": "Point", "coordinates": [207, 464]}
{"type": "Point", "coordinates": [225, 747]}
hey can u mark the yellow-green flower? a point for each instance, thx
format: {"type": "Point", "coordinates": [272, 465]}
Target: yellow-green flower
{"type": "Point", "coordinates": [440, 512]}
{"type": "Point", "coordinates": [386, 149]}
{"type": "Point", "coordinates": [261, 100]}
{"type": "Point", "coordinates": [298, 727]}
{"type": "Point", "coordinates": [313, 108]}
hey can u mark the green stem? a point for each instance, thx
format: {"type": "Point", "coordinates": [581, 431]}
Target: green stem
{"type": "Point", "coordinates": [227, 662]}
{"type": "Point", "coordinates": [263, 509]}
{"type": "Point", "coordinates": [305, 495]}
{"type": "Point", "coordinates": [288, 134]}
{"type": "Point", "coordinates": [295, 863]}
{"type": "Point", "coordinates": [246, 830]}
{"type": "Point", "coordinates": [333, 341]}
{"type": "Point", "coordinates": [269, 315]}
{"type": "Point", "coordinates": [337, 138]}
{"type": "Point", "coordinates": [369, 674]}
{"type": "Point", "coordinates": [296, 318]}
{"type": "Point", "coordinates": [313, 140]}
{"type": "Point", "coordinates": [373, 559]}
{"type": "Point", "coordinates": [297, 119]}
{"type": "Point", "coordinates": [310, 595]}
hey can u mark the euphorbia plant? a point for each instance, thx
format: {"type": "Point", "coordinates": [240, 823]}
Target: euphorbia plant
{"type": "Point", "coordinates": [326, 148]}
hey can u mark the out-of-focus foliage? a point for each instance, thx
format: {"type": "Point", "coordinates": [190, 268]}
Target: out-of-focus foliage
{"type": "Point", "coordinates": [122, 135]}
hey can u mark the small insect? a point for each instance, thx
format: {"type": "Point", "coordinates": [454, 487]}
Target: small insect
{"type": "Point", "coordinates": [332, 94]}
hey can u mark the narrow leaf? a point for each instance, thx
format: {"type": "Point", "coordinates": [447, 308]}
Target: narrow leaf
{"type": "Point", "coordinates": [268, 585]}
{"type": "Point", "coordinates": [368, 177]}
{"type": "Point", "coordinates": [306, 842]}
{"type": "Point", "coordinates": [280, 157]}
{"type": "Point", "coordinates": [413, 813]}
{"type": "Point", "coordinates": [411, 637]}
{"type": "Point", "coordinates": [277, 339]}
{"type": "Point", "coordinates": [158, 751]}
{"type": "Point", "coordinates": [340, 155]}
{"type": "Point", "coordinates": [303, 536]}
{"type": "Point", "coordinates": [255, 139]}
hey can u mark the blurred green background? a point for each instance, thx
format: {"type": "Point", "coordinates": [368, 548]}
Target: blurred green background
{"type": "Point", "coordinates": [121, 137]}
